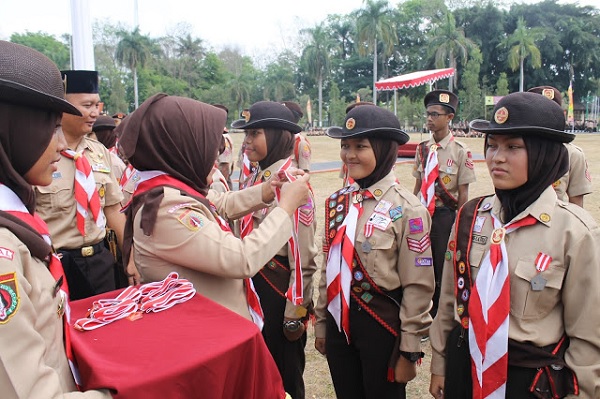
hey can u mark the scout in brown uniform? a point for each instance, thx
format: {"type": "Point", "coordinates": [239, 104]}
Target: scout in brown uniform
{"type": "Point", "coordinates": [377, 278]}
{"type": "Point", "coordinates": [33, 362]}
{"type": "Point", "coordinates": [302, 150]}
{"type": "Point", "coordinates": [577, 182]}
{"type": "Point", "coordinates": [78, 233]}
{"type": "Point", "coordinates": [454, 170]}
{"type": "Point", "coordinates": [103, 131]}
{"type": "Point", "coordinates": [225, 158]}
{"type": "Point", "coordinates": [269, 141]}
{"type": "Point", "coordinates": [171, 222]}
{"type": "Point", "coordinates": [526, 263]}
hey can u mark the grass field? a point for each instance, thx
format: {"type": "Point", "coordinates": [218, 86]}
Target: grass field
{"type": "Point", "coordinates": [316, 376]}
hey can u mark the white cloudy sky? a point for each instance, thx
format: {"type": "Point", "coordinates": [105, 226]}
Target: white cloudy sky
{"type": "Point", "coordinates": [251, 25]}
{"type": "Point", "coordinates": [255, 26]}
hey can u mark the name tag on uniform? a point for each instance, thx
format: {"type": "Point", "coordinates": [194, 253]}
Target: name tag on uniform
{"type": "Point", "coordinates": [98, 167]}
{"type": "Point", "coordinates": [479, 222]}
{"type": "Point", "coordinates": [379, 221]}
{"type": "Point", "coordinates": [57, 175]}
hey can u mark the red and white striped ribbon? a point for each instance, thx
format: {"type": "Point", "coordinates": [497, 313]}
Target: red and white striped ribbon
{"type": "Point", "coordinates": [339, 269]}
{"type": "Point", "coordinates": [151, 297]}
{"type": "Point", "coordinates": [127, 173]}
{"type": "Point", "coordinates": [489, 309]}
{"type": "Point", "coordinates": [86, 193]}
{"type": "Point", "coordinates": [295, 293]}
{"type": "Point", "coordinates": [431, 174]}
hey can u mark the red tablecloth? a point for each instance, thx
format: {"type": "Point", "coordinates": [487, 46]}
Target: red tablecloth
{"type": "Point", "coordinates": [197, 349]}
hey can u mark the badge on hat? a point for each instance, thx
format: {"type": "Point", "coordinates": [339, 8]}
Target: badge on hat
{"type": "Point", "coordinates": [246, 115]}
{"type": "Point", "coordinates": [501, 115]}
{"type": "Point", "coordinates": [444, 98]}
{"type": "Point", "coordinates": [350, 123]}
{"type": "Point", "coordinates": [548, 93]}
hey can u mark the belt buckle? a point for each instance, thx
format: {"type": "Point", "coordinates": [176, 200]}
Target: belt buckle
{"type": "Point", "coordinates": [87, 251]}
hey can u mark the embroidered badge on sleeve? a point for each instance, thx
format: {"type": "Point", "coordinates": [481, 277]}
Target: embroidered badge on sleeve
{"type": "Point", "coordinates": [192, 220]}
{"type": "Point", "coordinates": [420, 245]}
{"type": "Point", "coordinates": [9, 297]}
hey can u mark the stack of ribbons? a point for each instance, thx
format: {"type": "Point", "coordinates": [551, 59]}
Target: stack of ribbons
{"type": "Point", "coordinates": [134, 301]}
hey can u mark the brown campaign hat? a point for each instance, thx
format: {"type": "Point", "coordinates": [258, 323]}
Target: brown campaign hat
{"type": "Point", "coordinates": [295, 108]}
{"type": "Point", "coordinates": [371, 121]}
{"type": "Point", "coordinates": [549, 92]}
{"type": "Point", "coordinates": [526, 113]}
{"type": "Point", "coordinates": [29, 78]}
{"type": "Point", "coordinates": [441, 97]}
{"type": "Point", "coordinates": [80, 81]}
{"type": "Point", "coordinates": [104, 122]}
{"type": "Point", "coordinates": [267, 114]}
{"type": "Point", "coordinates": [358, 104]}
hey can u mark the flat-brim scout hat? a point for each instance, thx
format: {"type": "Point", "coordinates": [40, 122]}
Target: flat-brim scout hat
{"type": "Point", "coordinates": [29, 78]}
{"type": "Point", "coordinates": [267, 114]}
{"type": "Point", "coordinates": [104, 122]}
{"type": "Point", "coordinates": [369, 121]}
{"type": "Point", "coordinates": [526, 114]}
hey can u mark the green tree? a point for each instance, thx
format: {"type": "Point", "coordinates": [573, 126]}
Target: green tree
{"type": "Point", "coordinates": [471, 98]}
{"type": "Point", "coordinates": [502, 85]}
{"type": "Point", "coordinates": [449, 42]}
{"type": "Point", "coordinates": [374, 25]}
{"type": "Point", "coordinates": [46, 44]}
{"type": "Point", "coordinates": [315, 60]}
{"type": "Point", "coordinates": [520, 45]}
{"type": "Point", "coordinates": [133, 51]}
{"type": "Point", "coordinates": [337, 106]}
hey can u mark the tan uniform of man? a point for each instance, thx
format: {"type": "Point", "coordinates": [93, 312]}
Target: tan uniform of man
{"type": "Point", "coordinates": [89, 266]}
{"type": "Point", "coordinates": [566, 304]}
{"type": "Point", "coordinates": [577, 182]}
{"type": "Point", "coordinates": [456, 172]}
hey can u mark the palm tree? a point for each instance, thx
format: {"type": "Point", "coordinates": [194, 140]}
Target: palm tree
{"type": "Point", "coordinates": [449, 43]}
{"type": "Point", "coordinates": [374, 25]}
{"type": "Point", "coordinates": [521, 44]}
{"type": "Point", "coordinates": [133, 51]}
{"type": "Point", "coordinates": [315, 57]}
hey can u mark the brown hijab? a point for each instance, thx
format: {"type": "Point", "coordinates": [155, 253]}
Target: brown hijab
{"type": "Point", "coordinates": [176, 135]}
{"type": "Point", "coordinates": [25, 133]}
{"type": "Point", "coordinates": [386, 154]}
{"type": "Point", "coordinates": [280, 145]}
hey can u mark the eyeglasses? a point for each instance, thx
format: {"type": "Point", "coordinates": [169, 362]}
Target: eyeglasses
{"type": "Point", "coordinates": [433, 114]}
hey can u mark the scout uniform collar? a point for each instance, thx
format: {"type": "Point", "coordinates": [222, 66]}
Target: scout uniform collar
{"type": "Point", "coordinates": [442, 143]}
{"type": "Point", "coordinates": [542, 209]}
{"type": "Point", "coordinates": [267, 174]}
{"type": "Point", "coordinates": [381, 187]}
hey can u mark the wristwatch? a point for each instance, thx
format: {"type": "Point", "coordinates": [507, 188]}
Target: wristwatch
{"type": "Point", "coordinates": [292, 325]}
{"type": "Point", "coordinates": [412, 356]}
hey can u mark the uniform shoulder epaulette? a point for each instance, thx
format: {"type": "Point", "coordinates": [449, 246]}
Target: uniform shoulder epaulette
{"type": "Point", "coordinates": [580, 214]}
{"type": "Point", "coordinates": [461, 144]}
{"type": "Point", "coordinates": [407, 195]}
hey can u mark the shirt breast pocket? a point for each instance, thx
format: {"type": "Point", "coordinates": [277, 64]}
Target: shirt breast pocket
{"type": "Point", "coordinates": [382, 258]}
{"type": "Point", "coordinates": [527, 303]}
{"type": "Point", "coordinates": [55, 197]}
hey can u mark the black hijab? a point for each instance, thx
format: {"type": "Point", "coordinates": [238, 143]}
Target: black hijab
{"type": "Point", "coordinates": [386, 154]}
{"type": "Point", "coordinates": [280, 145]}
{"type": "Point", "coordinates": [547, 161]}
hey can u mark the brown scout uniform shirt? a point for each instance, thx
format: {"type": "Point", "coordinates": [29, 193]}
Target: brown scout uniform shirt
{"type": "Point", "coordinates": [455, 163]}
{"type": "Point", "coordinates": [577, 181]}
{"type": "Point", "coordinates": [391, 264]}
{"type": "Point", "coordinates": [34, 364]}
{"type": "Point", "coordinates": [187, 239]}
{"type": "Point", "coordinates": [227, 155]}
{"type": "Point", "coordinates": [308, 247]}
{"type": "Point", "coordinates": [304, 152]}
{"type": "Point", "coordinates": [568, 303]}
{"type": "Point", "coordinates": [56, 203]}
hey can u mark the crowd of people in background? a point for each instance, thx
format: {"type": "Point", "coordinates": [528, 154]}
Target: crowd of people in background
{"type": "Point", "coordinates": [503, 286]}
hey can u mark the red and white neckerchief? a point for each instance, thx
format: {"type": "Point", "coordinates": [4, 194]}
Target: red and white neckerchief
{"type": "Point", "coordinates": [134, 301]}
{"type": "Point", "coordinates": [339, 267]}
{"type": "Point", "coordinates": [152, 179]}
{"type": "Point", "coordinates": [295, 293]}
{"type": "Point", "coordinates": [86, 193]}
{"type": "Point", "coordinates": [246, 222]}
{"type": "Point", "coordinates": [127, 173]}
{"type": "Point", "coordinates": [246, 167]}
{"type": "Point", "coordinates": [11, 203]}
{"type": "Point", "coordinates": [430, 175]}
{"type": "Point", "coordinates": [489, 309]}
